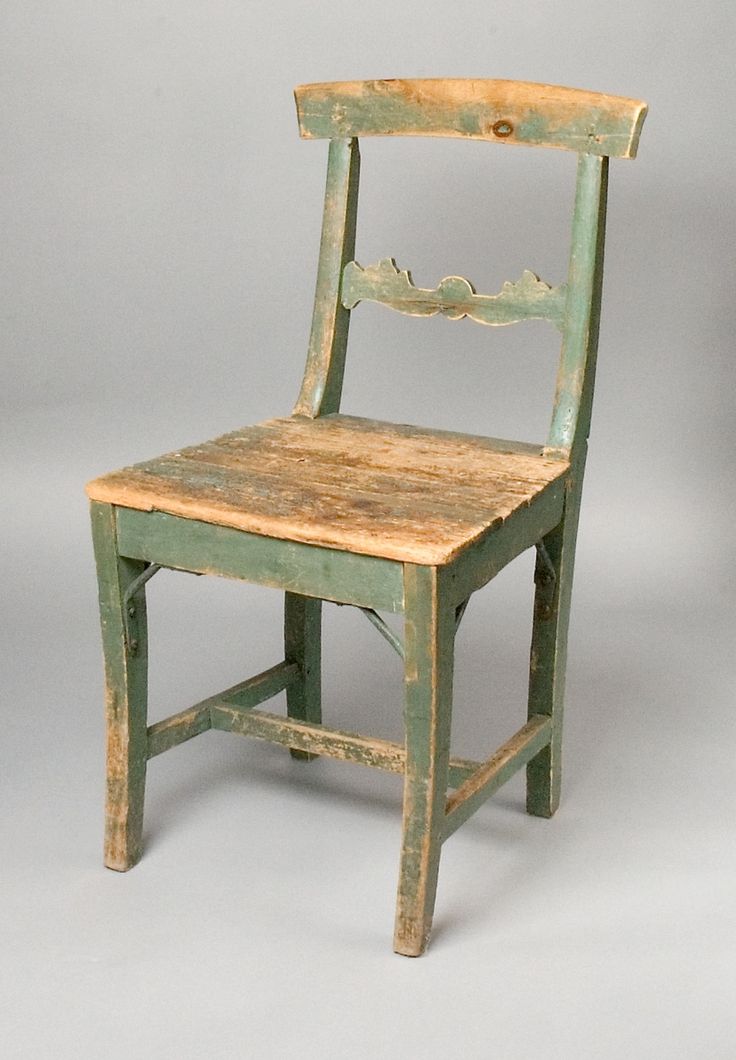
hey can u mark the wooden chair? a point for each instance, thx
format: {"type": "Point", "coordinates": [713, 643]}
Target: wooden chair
{"type": "Point", "coordinates": [381, 516]}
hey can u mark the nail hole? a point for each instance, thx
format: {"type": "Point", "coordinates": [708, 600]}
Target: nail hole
{"type": "Point", "coordinates": [502, 128]}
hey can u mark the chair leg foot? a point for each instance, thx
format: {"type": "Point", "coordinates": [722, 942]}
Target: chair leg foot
{"type": "Point", "coordinates": [303, 645]}
{"type": "Point", "coordinates": [430, 630]}
{"type": "Point", "coordinates": [420, 860]}
{"type": "Point", "coordinates": [409, 943]}
{"type": "Point", "coordinates": [543, 784]}
{"type": "Point", "coordinates": [416, 899]}
{"type": "Point", "coordinates": [123, 848]}
{"type": "Point", "coordinates": [126, 783]}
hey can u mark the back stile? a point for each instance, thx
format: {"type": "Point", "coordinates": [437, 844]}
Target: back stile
{"type": "Point", "coordinates": [323, 376]}
{"type": "Point", "coordinates": [576, 375]}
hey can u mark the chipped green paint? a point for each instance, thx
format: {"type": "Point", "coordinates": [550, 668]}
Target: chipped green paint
{"type": "Point", "coordinates": [576, 373]}
{"type": "Point", "coordinates": [500, 767]}
{"type": "Point", "coordinates": [125, 649]}
{"type": "Point", "coordinates": [507, 112]}
{"type": "Point", "coordinates": [322, 384]}
{"type": "Point", "coordinates": [527, 298]}
{"type": "Point", "coordinates": [326, 573]}
{"type": "Point", "coordinates": [429, 646]}
{"type": "Point", "coordinates": [483, 559]}
{"type": "Point", "coordinates": [303, 646]}
{"type": "Point", "coordinates": [568, 435]}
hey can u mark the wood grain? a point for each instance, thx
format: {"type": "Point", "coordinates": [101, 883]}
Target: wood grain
{"type": "Point", "coordinates": [508, 112]}
{"type": "Point", "coordinates": [202, 548]}
{"type": "Point", "coordinates": [411, 495]}
{"type": "Point", "coordinates": [303, 647]}
{"type": "Point", "coordinates": [527, 298]}
{"type": "Point", "coordinates": [193, 721]}
{"type": "Point", "coordinates": [499, 768]}
{"type": "Point", "coordinates": [429, 639]}
{"type": "Point", "coordinates": [176, 729]}
{"type": "Point", "coordinates": [125, 645]}
{"type": "Point", "coordinates": [309, 737]}
{"type": "Point", "coordinates": [576, 371]}
{"type": "Point", "coordinates": [569, 436]}
{"type": "Point", "coordinates": [321, 387]}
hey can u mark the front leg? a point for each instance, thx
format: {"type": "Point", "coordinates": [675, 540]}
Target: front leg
{"type": "Point", "coordinates": [303, 645]}
{"type": "Point", "coordinates": [430, 634]}
{"type": "Point", "coordinates": [125, 647]}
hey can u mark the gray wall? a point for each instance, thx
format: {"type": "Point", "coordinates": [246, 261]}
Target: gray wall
{"type": "Point", "coordinates": [161, 226]}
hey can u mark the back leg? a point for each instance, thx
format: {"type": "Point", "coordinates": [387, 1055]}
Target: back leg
{"type": "Point", "coordinates": [553, 576]}
{"type": "Point", "coordinates": [303, 645]}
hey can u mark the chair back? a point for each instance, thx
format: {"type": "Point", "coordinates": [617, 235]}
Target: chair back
{"type": "Point", "coordinates": [593, 125]}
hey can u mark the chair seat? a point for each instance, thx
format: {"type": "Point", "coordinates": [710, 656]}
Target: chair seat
{"type": "Point", "coordinates": [381, 489]}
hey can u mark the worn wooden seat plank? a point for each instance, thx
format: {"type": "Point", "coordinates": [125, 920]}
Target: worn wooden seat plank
{"type": "Point", "coordinates": [394, 491]}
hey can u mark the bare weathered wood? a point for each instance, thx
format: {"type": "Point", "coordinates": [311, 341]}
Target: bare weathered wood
{"type": "Point", "coordinates": [529, 298]}
{"type": "Point", "coordinates": [124, 641]}
{"type": "Point", "coordinates": [417, 497]}
{"type": "Point", "coordinates": [323, 375]}
{"type": "Point", "coordinates": [191, 545]}
{"type": "Point", "coordinates": [429, 641]}
{"type": "Point", "coordinates": [568, 436]}
{"type": "Point", "coordinates": [500, 767]}
{"type": "Point", "coordinates": [317, 739]}
{"type": "Point", "coordinates": [303, 646]}
{"type": "Point", "coordinates": [484, 558]}
{"type": "Point", "coordinates": [548, 655]}
{"type": "Point", "coordinates": [176, 729]}
{"type": "Point", "coordinates": [257, 689]}
{"type": "Point", "coordinates": [197, 719]}
{"type": "Point", "coordinates": [508, 112]}
{"type": "Point", "coordinates": [459, 771]}
{"type": "Point", "coordinates": [309, 737]}
{"type": "Point", "coordinates": [576, 373]}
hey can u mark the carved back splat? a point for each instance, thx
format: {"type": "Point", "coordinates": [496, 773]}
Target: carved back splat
{"type": "Point", "coordinates": [454, 297]}
{"type": "Point", "coordinates": [594, 125]}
